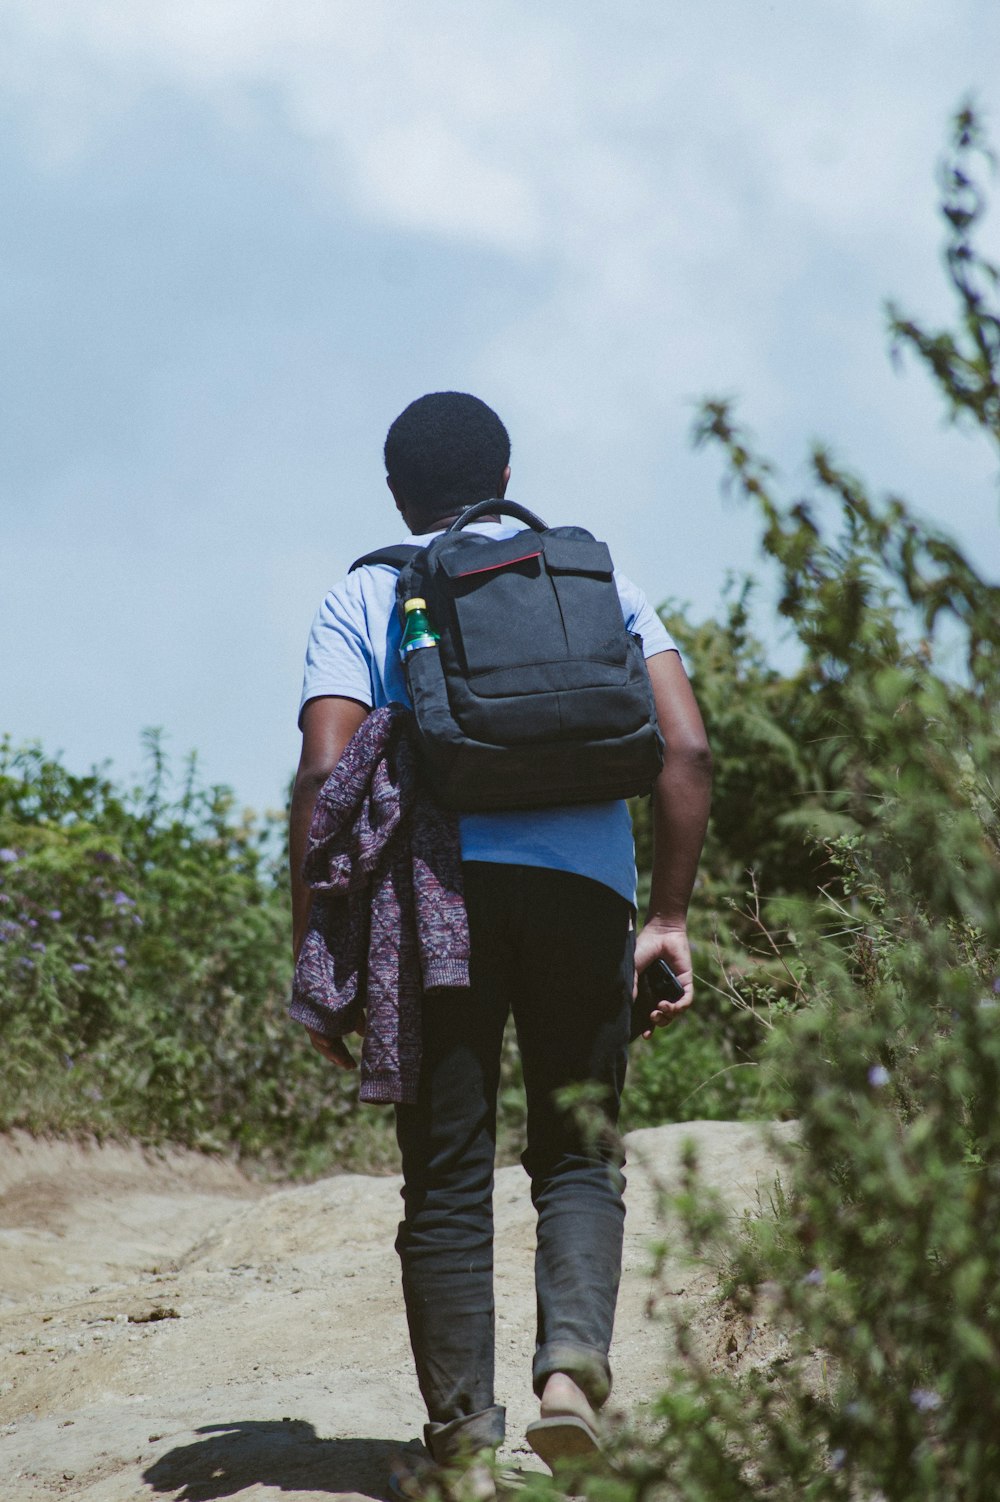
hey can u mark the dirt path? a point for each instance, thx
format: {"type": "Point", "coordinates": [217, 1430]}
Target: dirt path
{"type": "Point", "coordinates": [170, 1329]}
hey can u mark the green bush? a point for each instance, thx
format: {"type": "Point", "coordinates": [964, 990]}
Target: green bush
{"type": "Point", "coordinates": [144, 970]}
{"type": "Point", "coordinates": [880, 1259]}
{"type": "Point", "coordinates": [766, 856]}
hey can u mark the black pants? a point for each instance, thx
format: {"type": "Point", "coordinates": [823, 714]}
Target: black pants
{"type": "Point", "coordinates": [557, 950]}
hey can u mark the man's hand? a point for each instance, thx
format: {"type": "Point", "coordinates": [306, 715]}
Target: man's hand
{"type": "Point", "coordinates": [660, 941]}
{"type": "Point", "coordinates": [334, 1049]}
{"type": "Point", "coordinates": [681, 799]}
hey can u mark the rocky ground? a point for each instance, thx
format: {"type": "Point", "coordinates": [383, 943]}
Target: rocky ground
{"type": "Point", "coordinates": [171, 1328]}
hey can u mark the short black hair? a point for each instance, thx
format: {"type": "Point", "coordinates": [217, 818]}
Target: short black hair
{"type": "Point", "coordinates": [445, 451]}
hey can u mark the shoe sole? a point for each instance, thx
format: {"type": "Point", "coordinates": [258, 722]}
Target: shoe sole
{"type": "Point", "coordinates": [564, 1437]}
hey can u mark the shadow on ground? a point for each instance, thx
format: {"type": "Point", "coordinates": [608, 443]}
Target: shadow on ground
{"type": "Point", "coordinates": [287, 1454]}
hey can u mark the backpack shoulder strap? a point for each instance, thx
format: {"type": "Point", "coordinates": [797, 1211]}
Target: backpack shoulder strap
{"type": "Point", "coordinates": [396, 557]}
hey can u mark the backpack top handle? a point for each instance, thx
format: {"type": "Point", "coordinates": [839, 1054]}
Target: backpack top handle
{"type": "Point", "coordinates": [497, 507]}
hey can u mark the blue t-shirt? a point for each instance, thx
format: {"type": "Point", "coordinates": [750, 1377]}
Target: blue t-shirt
{"type": "Point", "coordinates": [353, 653]}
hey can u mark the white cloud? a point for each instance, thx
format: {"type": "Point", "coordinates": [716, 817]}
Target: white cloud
{"type": "Point", "coordinates": [705, 197]}
{"type": "Point", "coordinates": [676, 168]}
{"type": "Point", "coordinates": [442, 103]}
{"type": "Point", "coordinates": [679, 171]}
{"type": "Point", "coordinates": [426, 178]}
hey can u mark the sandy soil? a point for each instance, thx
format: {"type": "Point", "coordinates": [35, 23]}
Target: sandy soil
{"type": "Point", "coordinates": [171, 1329]}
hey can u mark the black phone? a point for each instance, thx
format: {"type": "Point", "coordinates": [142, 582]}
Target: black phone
{"type": "Point", "coordinates": [657, 983]}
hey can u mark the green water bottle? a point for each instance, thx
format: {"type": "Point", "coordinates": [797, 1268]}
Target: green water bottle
{"type": "Point", "coordinates": [417, 631]}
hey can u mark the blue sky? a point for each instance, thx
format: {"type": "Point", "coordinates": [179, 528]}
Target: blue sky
{"type": "Point", "coordinates": [239, 239]}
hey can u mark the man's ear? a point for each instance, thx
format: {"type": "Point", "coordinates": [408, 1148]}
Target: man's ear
{"type": "Point", "coordinates": [400, 505]}
{"type": "Point", "coordinates": [504, 482]}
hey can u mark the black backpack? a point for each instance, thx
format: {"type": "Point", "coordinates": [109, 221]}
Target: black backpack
{"type": "Point", "coordinates": [536, 694]}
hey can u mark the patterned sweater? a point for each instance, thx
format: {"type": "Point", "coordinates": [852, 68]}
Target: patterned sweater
{"type": "Point", "coordinates": [388, 919]}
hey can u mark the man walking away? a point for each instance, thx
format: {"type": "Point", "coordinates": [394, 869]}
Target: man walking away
{"type": "Point", "coordinates": [550, 899]}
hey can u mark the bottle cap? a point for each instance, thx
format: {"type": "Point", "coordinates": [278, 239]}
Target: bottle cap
{"type": "Point", "coordinates": [415, 604]}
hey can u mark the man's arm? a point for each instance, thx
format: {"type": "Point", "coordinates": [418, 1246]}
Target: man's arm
{"type": "Point", "coordinates": [327, 726]}
{"type": "Point", "coordinates": [681, 799]}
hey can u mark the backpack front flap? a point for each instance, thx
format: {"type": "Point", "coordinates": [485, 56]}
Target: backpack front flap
{"type": "Point", "coordinates": [537, 694]}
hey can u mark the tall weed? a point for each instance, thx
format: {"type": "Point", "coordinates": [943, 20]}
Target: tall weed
{"type": "Point", "coordinates": [880, 1260]}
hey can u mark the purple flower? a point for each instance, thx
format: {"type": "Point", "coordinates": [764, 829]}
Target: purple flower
{"type": "Point", "coordinates": [7, 856]}
{"type": "Point", "coordinates": [31, 923]}
{"type": "Point", "coordinates": [925, 1399]}
{"type": "Point", "coordinates": [996, 985]}
{"type": "Point", "coordinates": [38, 948]}
{"type": "Point", "coordinates": [118, 949]}
{"type": "Point", "coordinates": [878, 1076]}
{"type": "Point", "coordinates": [55, 914]}
{"type": "Point", "coordinates": [79, 967]}
{"type": "Point", "coordinates": [814, 1279]}
{"type": "Point", "coordinates": [122, 899]}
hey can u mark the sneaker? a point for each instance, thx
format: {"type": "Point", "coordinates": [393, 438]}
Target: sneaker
{"type": "Point", "coordinates": [421, 1480]}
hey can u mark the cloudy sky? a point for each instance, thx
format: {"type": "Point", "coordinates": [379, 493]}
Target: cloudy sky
{"type": "Point", "coordinates": [238, 239]}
